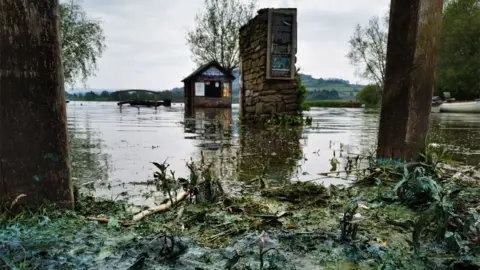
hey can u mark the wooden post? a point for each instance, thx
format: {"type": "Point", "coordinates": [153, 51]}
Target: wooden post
{"type": "Point", "coordinates": [138, 99]}
{"type": "Point", "coordinates": [411, 54]}
{"type": "Point", "coordinates": [120, 97]}
{"type": "Point", "coordinates": [34, 155]}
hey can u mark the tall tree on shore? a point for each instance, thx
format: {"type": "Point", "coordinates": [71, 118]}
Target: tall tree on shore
{"type": "Point", "coordinates": [82, 41]}
{"type": "Point", "coordinates": [458, 66]}
{"type": "Point", "coordinates": [368, 50]}
{"type": "Point", "coordinates": [413, 36]}
{"type": "Point", "coordinates": [34, 156]}
{"type": "Point", "coordinates": [216, 35]}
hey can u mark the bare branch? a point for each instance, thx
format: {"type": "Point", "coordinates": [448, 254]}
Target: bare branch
{"type": "Point", "coordinates": [216, 34]}
{"type": "Point", "coordinates": [368, 50]}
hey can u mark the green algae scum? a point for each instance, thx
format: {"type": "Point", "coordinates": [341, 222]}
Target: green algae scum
{"type": "Point", "coordinates": [395, 216]}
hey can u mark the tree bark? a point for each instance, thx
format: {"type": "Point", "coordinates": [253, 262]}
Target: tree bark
{"type": "Point", "coordinates": [411, 54]}
{"type": "Point", "coordinates": [421, 92]}
{"type": "Point", "coordinates": [34, 156]}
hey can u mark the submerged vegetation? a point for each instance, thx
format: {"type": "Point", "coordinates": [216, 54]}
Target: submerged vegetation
{"type": "Point", "coordinates": [395, 216]}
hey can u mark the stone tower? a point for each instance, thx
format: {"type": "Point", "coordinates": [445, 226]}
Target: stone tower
{"type": "Point", "coordinates": [268, 47]}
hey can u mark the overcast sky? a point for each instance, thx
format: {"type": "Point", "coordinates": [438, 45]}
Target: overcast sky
{"type": "Point", "coordinates": [146, 45]}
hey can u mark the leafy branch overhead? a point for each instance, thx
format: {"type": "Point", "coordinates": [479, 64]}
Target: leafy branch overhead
{"type": "Point", "coordinates": [82, 41]}
{"type": "Point", "coordinates": [458, 63]}
{"type": "Point", "coordinates": [216, 36]}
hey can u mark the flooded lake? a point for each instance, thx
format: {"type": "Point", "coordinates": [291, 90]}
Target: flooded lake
{"type": "Point", "coordinates": [112, 149]}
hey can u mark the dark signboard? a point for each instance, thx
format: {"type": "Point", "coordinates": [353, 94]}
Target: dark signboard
{"type": "Point", "coordinates": [282, 44]}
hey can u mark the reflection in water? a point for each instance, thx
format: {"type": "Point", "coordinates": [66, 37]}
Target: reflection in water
{"type": "Point", "coordinates": [114, 148]}
{"type": "Point", "coordinates": [211, 125]}
{"type": "Point", "coordinates": [213, 136]}
{"type": "Point", "coordinates": [336, 133]}
{"type": "Point", "coordinates": [88, 161]}
{"type": "Point", "coordinates": [272, 153]}
{"type": "Point", "coordinates": [460, 132]}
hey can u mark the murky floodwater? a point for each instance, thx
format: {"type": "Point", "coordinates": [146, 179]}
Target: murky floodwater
{"type": "Point", "coordinates": [112, 149]}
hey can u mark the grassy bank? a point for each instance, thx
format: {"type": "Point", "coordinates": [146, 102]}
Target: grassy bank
{"type": "Point", "coordinates": [334, 103]}
{"type": "Point", "coordinates": [103, 99]}
{"type": "Point", "coordinates": [339, 104]}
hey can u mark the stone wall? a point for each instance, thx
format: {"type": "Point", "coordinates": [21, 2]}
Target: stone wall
{"type": "Point", "coordinates": [259, 96]}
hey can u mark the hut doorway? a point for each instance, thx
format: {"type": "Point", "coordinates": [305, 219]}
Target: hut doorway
{"type": "Point", "coordinates": [213, 89]}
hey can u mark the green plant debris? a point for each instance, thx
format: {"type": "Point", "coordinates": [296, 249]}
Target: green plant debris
{"type": "Point", "coordinates": [399, 216]}
{"type": "Point", "coordinates": [298, 192]}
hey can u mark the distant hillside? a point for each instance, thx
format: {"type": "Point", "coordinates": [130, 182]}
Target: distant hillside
{"type": "Point", "coordinates": [329, 89]}
{"type": "Point", "coordinates": [318, 89]}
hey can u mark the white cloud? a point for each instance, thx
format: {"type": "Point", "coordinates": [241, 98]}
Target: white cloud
{"type": "Point", "coordinates": [146, 45]}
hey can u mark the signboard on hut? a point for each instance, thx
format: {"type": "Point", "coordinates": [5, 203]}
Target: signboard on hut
{"type": "Point", "coordinates": [282, 44]}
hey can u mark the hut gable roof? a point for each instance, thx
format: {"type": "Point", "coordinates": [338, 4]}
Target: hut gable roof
{"type": "Point", "coordinates": [211, 66]}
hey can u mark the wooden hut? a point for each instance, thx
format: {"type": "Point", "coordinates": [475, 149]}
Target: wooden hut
{"type": "Point", "coordinates": [210, 86]}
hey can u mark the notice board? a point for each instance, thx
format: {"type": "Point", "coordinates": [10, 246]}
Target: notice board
{"type": "Point", "coordinates": [282, 44]}
{"type": "Point", "coordinates": [200, 89]}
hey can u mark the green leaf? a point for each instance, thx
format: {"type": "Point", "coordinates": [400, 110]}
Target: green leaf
{"type": "Point", "coordinates": [112, 222]}
{"type": "Point", "coordinates": [405, 172]}
{"type": "Point", "coordinates": [448, 234]}
{"type": "Point", "coordinates": [475, 215]}
{"type": "Point", "coordinates": [398, 185]}
{"type": "Point", "coordinates": [159, 166]}
{"type": "Point", "coordinates": [45, 220]}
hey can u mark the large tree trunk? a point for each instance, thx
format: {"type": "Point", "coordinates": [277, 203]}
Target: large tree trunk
{"type": "Point", "coordinates": [34, 157]}
{"type": "Point", "coordinates": [400, 55]}
{"type": "Point", "coordinates": [421, 92]}
{"type": "Point", "coordinates": [411, 54]}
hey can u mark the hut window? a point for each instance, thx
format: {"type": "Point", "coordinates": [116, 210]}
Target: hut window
{"type": "Point", "coordinates": [213, 89]}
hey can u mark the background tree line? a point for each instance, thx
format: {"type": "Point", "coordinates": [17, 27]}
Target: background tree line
{"type": "Point", "coordinates": [177, 95]}
{"type": "Point", "coordinates": [173, 95]}
{"type": "Point", "coordinates": [458, 63]}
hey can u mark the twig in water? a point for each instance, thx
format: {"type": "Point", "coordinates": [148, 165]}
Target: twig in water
{"type": "Point", "coordinates": [335, 172]}
{"type": "Point", "coordinates": [105, 220]}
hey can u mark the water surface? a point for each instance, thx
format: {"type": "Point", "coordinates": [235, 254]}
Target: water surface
{"type": "Point", "coordinates": [112, 149]}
